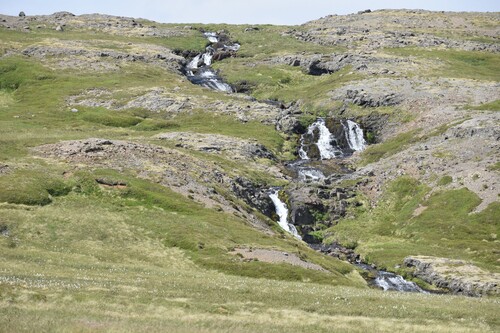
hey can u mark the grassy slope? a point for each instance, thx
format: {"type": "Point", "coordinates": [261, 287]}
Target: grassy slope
{"type": "Point", "coordinates": [391, 231]}
{"type": "Point", "coordinates": [77, 257]}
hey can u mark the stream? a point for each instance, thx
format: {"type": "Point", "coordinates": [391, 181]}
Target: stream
{"type": "Point", "coordinates": [320, 144]}
{"type": "Point", "coordinates": [316, 144]}
{"type": "Point", "coordinates": [199, 70]}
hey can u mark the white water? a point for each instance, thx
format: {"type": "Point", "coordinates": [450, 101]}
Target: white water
{"type": "Point", "coordinates": [282, 212]}
{"type": "Point", "coordinates": [390, 281]}
{"type": "Point", "coordinates": [354, 136]}
{"type": "Point", "coordinates": [325, 140]}
{"type": "Point", "coordinates": [207, 58]}
{"type": "Point", "coordinates": [211, 36]}
{"type": "Point", "coordinates": [199, 71]}
{"type": "Point", "coordinates": [310, 174]}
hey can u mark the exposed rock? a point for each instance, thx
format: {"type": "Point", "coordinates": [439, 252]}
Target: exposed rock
{"type": "Point", "coordinates": [59, 28]}
{"type": "Point", "coordinates": [22, 14]}
{"type": "Point", "coordinates": [253, 195]}
{"type": "Point", "coordinates": [216, 143]}
{"type": "Point", "coordinates": [161, 165]}
{"type": "Point", "coordinates": [362, 98]}
{"type": "Point", "coordinates": [289, 124]}
{"type": "Point", "coordinates": [458, 276]}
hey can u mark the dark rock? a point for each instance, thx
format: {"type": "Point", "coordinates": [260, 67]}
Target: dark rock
{"type": "Point", "coordinates": [22, 14]}
{"type": "Point", "coordinates": [253, 195]}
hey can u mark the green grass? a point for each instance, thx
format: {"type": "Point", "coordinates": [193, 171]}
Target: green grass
{"type": "Point", "coordinates": [492, 106]}
{"type": "Point", "coordinates": [286, 83]}
{"type": "Point", "coordinates": [62, 270]}
{"type": "Point", "coordinates": [445, 180]}
{"type": "Point", "coordinates": [389, 147]}
{"type": "Point", "coordinates": [388, 233]}
{"type": "Point", "coordinates": [456, 64]}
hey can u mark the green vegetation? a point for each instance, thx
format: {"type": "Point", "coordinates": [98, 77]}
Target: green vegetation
{"type": "Point", "coordinates": [287, 83]}
{"type": "Point", "coordinates": [445, 180]}
{"type": "Point", "coordinates": [405, 223]}
{"type": "Point", "coordinates": [457, 64]}
{"type": "Point", "coordinates": [79, 255]}
{"type": "Point", "coordinates": [492, 106]}
{"type": "Point", "coordinates": [495, 167]}
{"type": "Point", "coordinates": [389, 147]}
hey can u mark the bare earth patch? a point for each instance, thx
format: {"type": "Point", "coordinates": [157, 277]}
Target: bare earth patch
{"type": "Point", "coordinates": [274, 257]}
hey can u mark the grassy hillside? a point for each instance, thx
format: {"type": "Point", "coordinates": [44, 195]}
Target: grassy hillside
{"type": "Point", "coordinates": [141, 238]}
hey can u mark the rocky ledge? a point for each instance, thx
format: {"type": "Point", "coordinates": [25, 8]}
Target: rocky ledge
{"type": "Point", "coordinates": [460, 277]}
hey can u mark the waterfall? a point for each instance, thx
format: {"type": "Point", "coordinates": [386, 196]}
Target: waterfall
{"type": "Point", "coordinates": [354, 136]}
{"type": "Point", "coordinates": [310, 174]}
{"type": "Point", "coordinates": [391, 281]}
{"type": "Point", "coordinates": [282, 212]}
{"type": "Point", "coordinates": [198, 70]}
{"type": "Point", "coordinates": [326, 142]}
{"type": "Point", "coordinates": [212, 37]}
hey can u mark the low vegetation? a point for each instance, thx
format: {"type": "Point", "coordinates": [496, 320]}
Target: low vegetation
{"type": "Point", "coordinates": [406, 222]}
{"type": "Point", "coordinates": [131, 255]}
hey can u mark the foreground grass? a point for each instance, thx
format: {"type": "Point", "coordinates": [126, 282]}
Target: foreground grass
{"type": "Point", "coordinates": [104, 260]}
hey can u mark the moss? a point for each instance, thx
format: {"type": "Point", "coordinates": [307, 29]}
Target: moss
{"type": "Point", "coordinates": [445, 180]}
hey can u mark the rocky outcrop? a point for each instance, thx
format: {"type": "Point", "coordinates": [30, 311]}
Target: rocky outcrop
{"type": "Point", "coordinates": [364, 99]}
{"type": "Point", "coordinates": [458, 276]}
{"type": "Point", "coordinates": [254, 195]}
{"type": "Point", "coordinates": [368, 31]}
{"type": "Point", "coordinates": [219, 144]}
{"type": "Point", "coordinates": [78, 55]}
{"type": "Point", "coordinates": [197, 179]}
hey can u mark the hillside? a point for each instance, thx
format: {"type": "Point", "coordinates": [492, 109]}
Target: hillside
{"type": "Point", "coordinates": [165, 177]}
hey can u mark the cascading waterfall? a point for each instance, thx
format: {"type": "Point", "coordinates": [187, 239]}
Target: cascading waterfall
{"type": "Point", "coordinates": [282, 212]}
{"type": "Point", "coordinates": [391, 281]}
{"type": "Point", "coordinates": [198, 71]}
{"type": "Point", "coordinates": [327, 143]}
{"type": "Point", "coordinates": [354, 136]}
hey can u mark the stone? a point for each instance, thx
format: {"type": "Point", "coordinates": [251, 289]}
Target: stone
{"type": "Point", "coordinates": [59, 28]}
{"type": "Point", "coordinates": [22, 14]}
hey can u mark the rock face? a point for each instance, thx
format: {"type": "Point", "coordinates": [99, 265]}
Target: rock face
{"type": "Point", "coordinates": [458, 276]}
